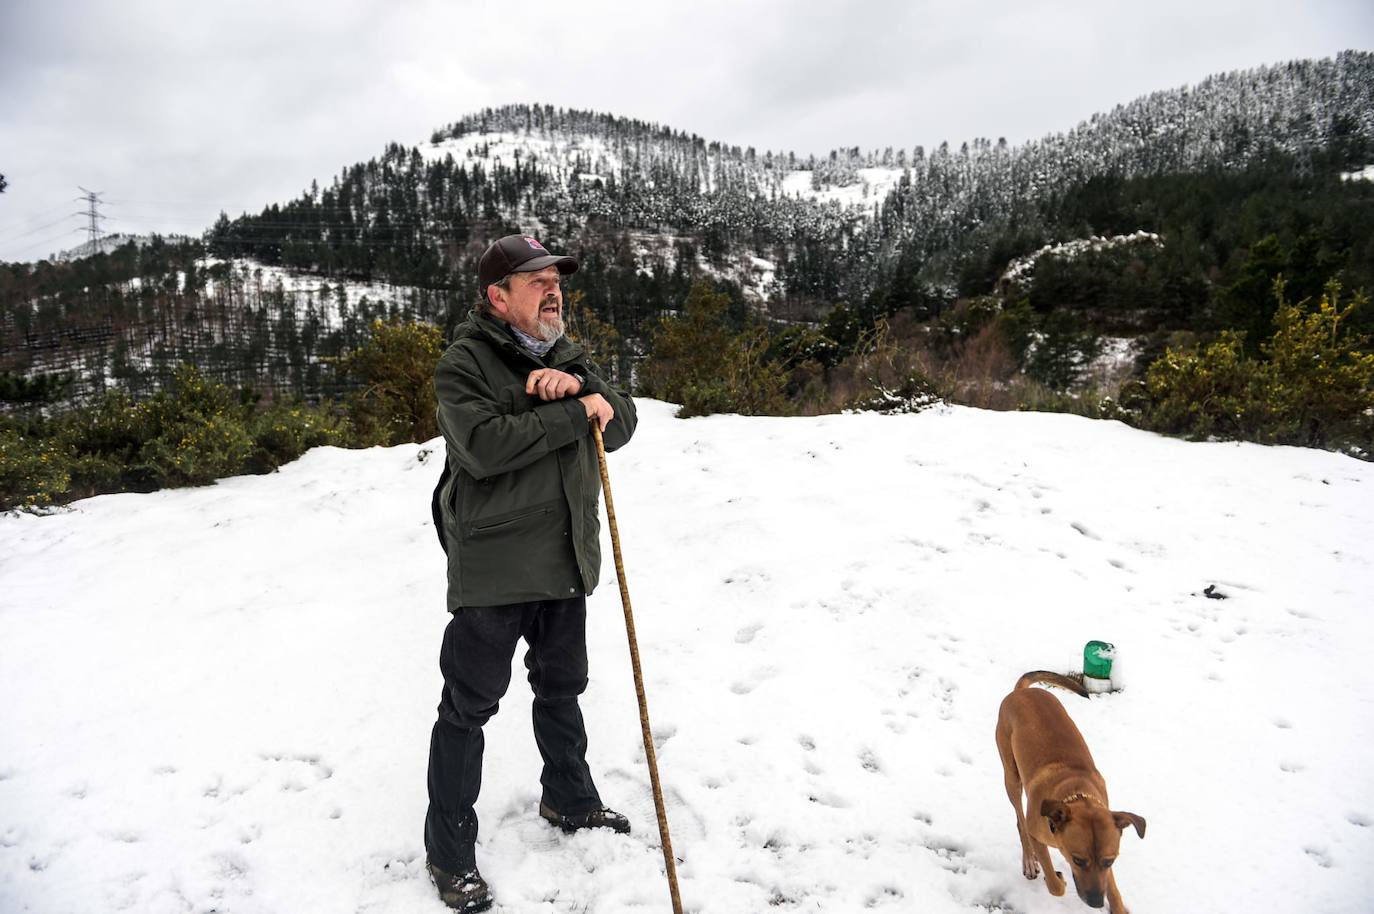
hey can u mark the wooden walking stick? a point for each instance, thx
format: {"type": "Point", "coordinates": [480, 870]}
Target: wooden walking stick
{"type": "Point", "coordinates": [639, 677]}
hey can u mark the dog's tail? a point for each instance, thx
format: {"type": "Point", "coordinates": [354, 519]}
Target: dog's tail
{"type": "Point", "coordinates": [1054, 679]}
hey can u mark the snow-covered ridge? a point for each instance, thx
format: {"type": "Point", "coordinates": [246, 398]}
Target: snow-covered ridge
{"type": "Point", "coordinates": [108, 243]}
{"type": "Point", "coordinates": [588, 158]}
{"type": "Point", "coordinates": [1019, 270]}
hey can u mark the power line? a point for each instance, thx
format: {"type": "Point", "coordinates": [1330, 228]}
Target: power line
{"type": "Point", "coordinates": [35, 230]}
{"type": "Point", "coordinates": [45, 241]}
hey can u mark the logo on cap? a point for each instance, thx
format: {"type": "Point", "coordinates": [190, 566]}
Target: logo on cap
{"type": "Point", "coordinates": [534, 244]}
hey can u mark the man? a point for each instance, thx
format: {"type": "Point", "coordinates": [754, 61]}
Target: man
{"type": "Point", "coordinates": [516, 510]}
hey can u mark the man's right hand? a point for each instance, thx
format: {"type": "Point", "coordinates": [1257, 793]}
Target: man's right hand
{"type": "Point", "coordinates": [598, 410]}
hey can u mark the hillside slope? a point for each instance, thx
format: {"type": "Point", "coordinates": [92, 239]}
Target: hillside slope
{"type": "Point", "coordinates": [219, 699]}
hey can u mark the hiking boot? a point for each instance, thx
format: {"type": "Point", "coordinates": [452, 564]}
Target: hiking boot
{"type": "Point", "coordinates": [593, 818]}
{"type": "Point", "coordinates": [464, 892]}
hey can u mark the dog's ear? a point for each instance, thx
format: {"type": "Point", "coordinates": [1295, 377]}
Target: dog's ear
{"type": "Point", "coordinates": [1124, 819]}
{"type": "Point", "coordinates": [1056, 812]}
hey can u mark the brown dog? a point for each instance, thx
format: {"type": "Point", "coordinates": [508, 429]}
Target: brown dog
{"type": "Point", "coordinates": [1044, 754]}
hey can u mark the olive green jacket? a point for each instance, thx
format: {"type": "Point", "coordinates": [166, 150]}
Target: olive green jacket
{"type": "Point", "coordinates": [518, 511]}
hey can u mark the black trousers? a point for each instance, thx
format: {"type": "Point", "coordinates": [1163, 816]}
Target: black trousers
{"type": "Point", "coordinates": [476, 662]}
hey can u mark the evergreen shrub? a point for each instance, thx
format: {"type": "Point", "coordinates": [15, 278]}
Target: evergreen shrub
{"type": "Point", "coordinates": [1312, 384]}
{"type": "Point", "coordinates": [395, 401]}
{"type": "Point", "coordinates": [199, 432]}
{"type": "Point", "coordinates": [194, 432]}
{"type": "Point", "coordinates": [697, 360]}
{"type": "Point", "coordinates": [33, 471]}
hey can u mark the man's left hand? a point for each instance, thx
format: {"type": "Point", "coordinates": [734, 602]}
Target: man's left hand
{"type": "Point", "coordinates": [552, 384]}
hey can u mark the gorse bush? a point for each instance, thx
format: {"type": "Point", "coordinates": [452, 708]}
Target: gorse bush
{"type": "Point", "coordinates": [199, 432]}
{"type": "Point", "coordinates": [1323, 377]}
{"type": "Point", "coordinates": [33, 471]}
{"type": "Point", "coordinates": [1311, 385]}
{"type": "Point", "coordinates": [700, 362]}
{"type": "Point", "coordinates": [287, 430]}
{"type": "Point", "coordinates": [194, 432]}
{"type": "Point", "coordinates": [395, 402]}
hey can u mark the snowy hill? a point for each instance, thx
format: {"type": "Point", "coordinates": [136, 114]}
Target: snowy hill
{"type": "Point", "coordinates": [110, 242]}
{"type": "Point", "coordinates": [831, 225]}
{"type": "Point", "coordinates": [219, 699]}
{"type": "Point", "coordinates": [651, 209]}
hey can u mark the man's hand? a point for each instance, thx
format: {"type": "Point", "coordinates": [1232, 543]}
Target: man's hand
{"type": "Point", "coordinates": [598, 410]}
{"type": "Point", "coordinates": [552, 384]}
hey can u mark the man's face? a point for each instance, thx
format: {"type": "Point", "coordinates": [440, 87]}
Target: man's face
{"type": "Point", "coordinates": [533, 303]}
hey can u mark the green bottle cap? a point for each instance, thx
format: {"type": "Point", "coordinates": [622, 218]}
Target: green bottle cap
{"type": "Point", "coordinates": [1097, 659]}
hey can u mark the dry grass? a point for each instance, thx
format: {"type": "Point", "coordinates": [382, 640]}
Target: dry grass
{"type": "Point", "coordinates": [902, 354]}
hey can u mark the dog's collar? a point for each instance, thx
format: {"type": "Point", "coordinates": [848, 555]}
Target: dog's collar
{"type": "Point", "coordinates": [1078, 796]}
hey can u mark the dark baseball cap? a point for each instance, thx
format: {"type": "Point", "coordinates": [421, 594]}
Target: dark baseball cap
{"type": "Point", "coordinates": [518, 254]}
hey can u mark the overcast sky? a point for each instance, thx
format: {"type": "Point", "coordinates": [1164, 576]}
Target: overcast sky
{"type": "Point", "coordinates": [179, 110]}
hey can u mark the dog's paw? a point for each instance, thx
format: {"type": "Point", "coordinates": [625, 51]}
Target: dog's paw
{"type": "Point", "coordinates": [1030, 868]}
{"type": "Point", "coordinates": [1055, 884]}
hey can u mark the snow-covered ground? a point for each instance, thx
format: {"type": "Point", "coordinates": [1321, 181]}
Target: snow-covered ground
{"type": "Point", "coordinates": [307, 290]}
{"type": "Point", "coordinates": [219, 699]}
{"type": "Point", "coordinates": [602, 161]}
{"type": "Point", "coordinates": [873, 186]}
{"type": "Point", "coordinates": [599, 157]}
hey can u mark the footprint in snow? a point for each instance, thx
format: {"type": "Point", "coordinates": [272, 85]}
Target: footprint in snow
{"type": "Point", "coordinates": [663, 733]}
{"type": "Point", "coordinates": [912, 675]}
{"type": "Point", "coordinates": [829, 798]}
{"type": "Point", "coordinates": [299, 771]}
{"type": "Point", "coordinates": [950, 854]}
{"type": "Point", "coordinates": [894, 724]}
{"type": "Point", "coordinates": [944, 697]}
{"type": "Point", "coordinates": [996, 904]}
{"type": "Point", "coordinates": [1320, 856]}
{"type": "Point", "coordinates": [886, 895]}
{"type": "Point", "coordinates": [747, 575]}
{"type": "Point", "coordinates": [746, 635]}
{"type": "Point", "coordinates": [756, 678]}
{"type": "Point", "coordinates": [123, 836]}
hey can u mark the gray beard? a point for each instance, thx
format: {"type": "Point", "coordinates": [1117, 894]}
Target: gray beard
{"type": "Point", "coordinates": [549, 331]}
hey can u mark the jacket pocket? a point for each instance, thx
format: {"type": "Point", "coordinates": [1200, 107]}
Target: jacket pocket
{"type": "Point", "coordinates": [498, 523]}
